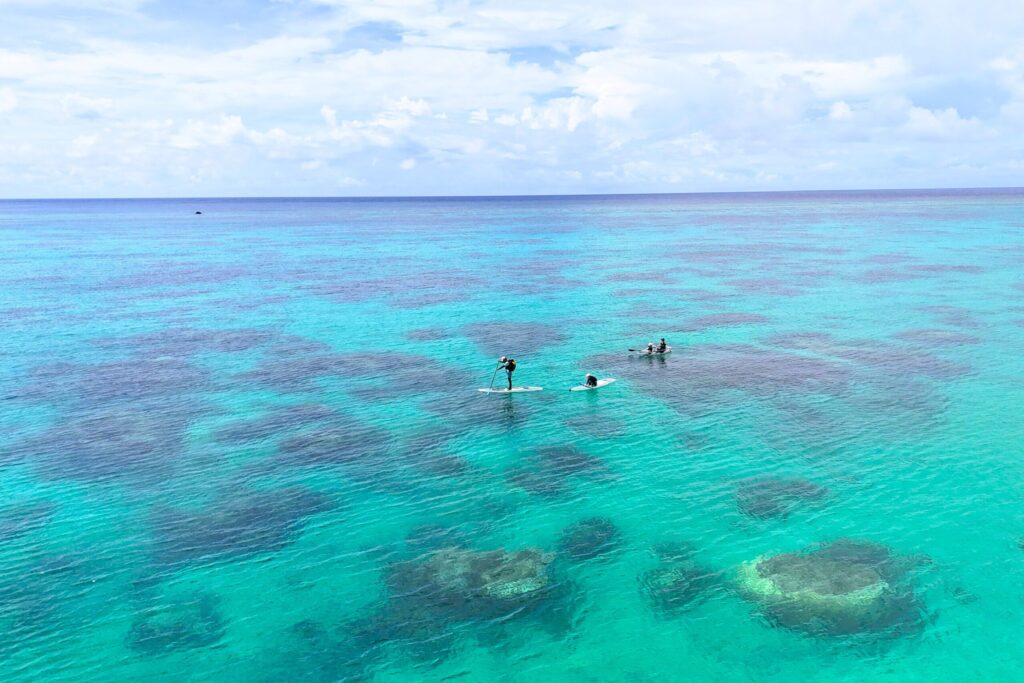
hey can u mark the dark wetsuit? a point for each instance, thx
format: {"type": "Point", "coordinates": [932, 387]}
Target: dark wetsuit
{"type": "Point", "coordinates": [662, 347]}
{"type": "Point", "coordinates": [510, 367]}
{"type": "Point", "coordinates": [591, 381]}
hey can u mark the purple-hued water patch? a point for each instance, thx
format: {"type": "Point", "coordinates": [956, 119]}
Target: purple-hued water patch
{"type": "Point", "coordinates": [661, 278]}
{"type": "Point", "coordinates": [937, 337]}
{"type": "Point", "coordinates": [887, 259]}
{"type": "Point", "coordinates": [878, 355]}
{"type": "Point", "coordinates": [410, 373]}
{"type": "Point", "coordinates": [429, 299]}
{"type": "Point", "coordinates": [955, 316]}
{"type": "Point", "coordinates": [766, 285]}
{"type": "Point", "coordinates": [416, 290]}
{"type": "Point", "coordinates": [942, 268]}
{"type": "Point", "coordinates": [177, 275]}
{"type": "Point", "coordinates": [548, 470]}
{"type": "Point", "coordinates": [22, 518]}
{"type": "Point", "coordinates": [342, 442]}
{"type": "Point", "coordinates": [428, 451]}
{"type": "Point", "coordinates": [513, 338]}
{"type": "Point", "coordinates": [129, 379]}
{"type": "Point", "coordinates": [426, 334]}
{"type": "Point", "coordinates": [120, 442]}
{"type": "Point", "coordinates": [697, 380]}
{"type": "Point", "coordinates": [883, 276]}
{"type": "Point", "coordinates": [469, 409]}
{"type": "Point", "coordinates": [707, 322]}
{"type": "Point", "coordinates": [184, 341]}
{"type": "Point", "coordinates": [242, 524]}
{"type": "Point", "coordinates": [275, 422]}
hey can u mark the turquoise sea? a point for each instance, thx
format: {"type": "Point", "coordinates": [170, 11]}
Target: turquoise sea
{"type": "Point", "coordinates": [247, 444]}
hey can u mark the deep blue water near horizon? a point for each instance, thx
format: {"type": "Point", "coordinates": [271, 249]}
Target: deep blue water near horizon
{"type": "Point", "coordinates": [248, 445]}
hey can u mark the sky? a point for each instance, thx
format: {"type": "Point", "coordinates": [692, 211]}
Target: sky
{"type": "Point", "coordinates": [137, 98]}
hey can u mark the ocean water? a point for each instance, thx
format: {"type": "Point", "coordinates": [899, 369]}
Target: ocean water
{"type": "Point", "coordinates": [247, 444]}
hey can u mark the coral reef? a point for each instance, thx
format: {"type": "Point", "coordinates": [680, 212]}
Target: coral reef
{"type": "Point", "coordinates": [238, 526]}
{"type": "Point", "coordinates": [678, 583]}
{"type": "Point", "coordinates": [841, 588]}
{"type": "Point", "coordinates": [589, 539]}
{"type": "Point", "coordinates": [771, 497]}
{"type": "Point", "coordinates": [185, 624]}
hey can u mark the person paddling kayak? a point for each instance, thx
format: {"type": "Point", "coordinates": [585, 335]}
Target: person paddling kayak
{"type": "Point", "coordinates": [509, 364]}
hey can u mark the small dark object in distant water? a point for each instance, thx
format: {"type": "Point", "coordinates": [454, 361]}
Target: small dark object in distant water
{"type": "Point", "coordinates": [589, 538]}
{"type": "Point", "coordinates": [199, 213]}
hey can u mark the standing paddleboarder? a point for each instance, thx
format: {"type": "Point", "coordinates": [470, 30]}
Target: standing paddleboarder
{"type": "Point", "coordinates": [509, 365]}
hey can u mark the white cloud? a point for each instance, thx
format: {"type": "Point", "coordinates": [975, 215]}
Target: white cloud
{"type": "Point", "coordinates": [78, 106]}
{"type": "Point", "coordinates": [8, 100]}
{"type": "Point", "coordinates": [840, 111]}
{"type": "Point", "coordinates": [496, 96]}
{"type": "Point", "coordinates": [197, 134]}
{"type": "Point", "coordinates": [407, 164]}
{"type": "Point", "coordinates": [82, 145]}
{"type": "Point", "coordinates": [940, 124]}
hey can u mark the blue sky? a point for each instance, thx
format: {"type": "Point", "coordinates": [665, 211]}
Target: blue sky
{"type": "Point", "coordinates": [418, 97]}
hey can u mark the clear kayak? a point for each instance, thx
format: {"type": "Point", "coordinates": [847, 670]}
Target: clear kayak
{"type": "Point", "coordinates": [645, 352]}
{"type": "Point", "coordinates": [600, 383]}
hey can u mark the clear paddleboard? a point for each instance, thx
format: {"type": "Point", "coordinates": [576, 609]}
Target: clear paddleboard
{"type": "Point", "coordinates": [513, 390]}
{"type": "Point", "coordinates": [600, 383]}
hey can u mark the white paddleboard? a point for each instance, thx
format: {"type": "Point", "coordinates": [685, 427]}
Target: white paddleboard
{"type": "Point", "coordinates": [600, 383]}
{"type": "Point", "coordinates": [513, 390]}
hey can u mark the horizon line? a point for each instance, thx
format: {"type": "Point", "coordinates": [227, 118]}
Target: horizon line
{"type": "Point", "coordinates": [590, 195]}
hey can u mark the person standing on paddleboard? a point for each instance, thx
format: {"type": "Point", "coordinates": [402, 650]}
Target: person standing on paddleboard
{"type": "Point", "coordinates": [509, 364]}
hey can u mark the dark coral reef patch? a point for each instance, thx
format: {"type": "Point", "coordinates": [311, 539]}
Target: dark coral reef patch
{"type": "Point", "coordinates": [842, 588]}
{"type": "Point", "coordinates": [589, 539]}
{"type": "Point", "coordinates": [679, 582]}
{"type": "Point", "coordinates": [239, 525]}
{"type": "Point", "coordinates": [548, 470]}
{"type": "Point", "coordinates": [776, 497]}
{"type": "Point", "coordinates": [190, 622]}
{"type": "Point", "coordinates": [109, 442]}
{"type": "Point", "coordinates": [454, 592]}
{"type": "Point", "coordinates": [513, 338]}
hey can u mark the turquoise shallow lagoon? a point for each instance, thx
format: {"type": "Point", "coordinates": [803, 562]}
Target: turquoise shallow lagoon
{"type": "Point", "coordinates": [247, 445]}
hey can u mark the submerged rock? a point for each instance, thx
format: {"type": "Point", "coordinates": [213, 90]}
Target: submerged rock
{"type": "Point", "coordinates": [766, 498]}
{"type": "Point", "coordinates": [176, 626]}
{"type": "Point", "coordinates": [679, 582]}
{"type": "Point", "coordinates": [589, 538]}
{"type": "Point", "coordinates": [841, 588]}
{"type": "Point", "coordinates": [244, 524]}
{"type": "Point", "coordinates": [491, 574]}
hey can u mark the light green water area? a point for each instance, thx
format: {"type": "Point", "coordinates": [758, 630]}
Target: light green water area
{"type": "Point", "coordinates": [247, 444]}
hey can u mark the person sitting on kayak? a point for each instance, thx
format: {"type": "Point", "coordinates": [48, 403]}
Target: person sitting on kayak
{"type": "Point", "coordinates": [662, 346]}
{"type": "Point", "coordinates": [509, 364]}
{"type": "Point", "coordinates": [591, 381]}
{"type": "Point", "coordinates": [650, 347]}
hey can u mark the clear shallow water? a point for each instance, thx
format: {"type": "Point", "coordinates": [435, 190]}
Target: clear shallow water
{"type": "Point", "coordinates": [233, 444]}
